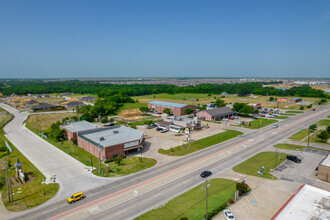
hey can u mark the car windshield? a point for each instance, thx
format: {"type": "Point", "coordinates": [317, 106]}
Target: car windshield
{"type": "Point", "coordinates": [72, 197]}
{"type": "Point", "coordinates": [231, 216]}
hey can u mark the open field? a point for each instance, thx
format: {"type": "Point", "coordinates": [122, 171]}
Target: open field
{"type": "Point", "coordinates": [290, 146]}
{"type": "Point", "coordinates": [131, 106]}
{"type": "Point", "coordinates": [324, 122]}
{"type": "Point", "coordinates": [191, 204]}
{"type": "Point", "coordinates": [281, 117]}
{"type": "Point", "coordinates": [30, 194]}
{"type": "Point", "coordinates": [42, 122]}
{"type": "Point", "coordinates": [299, 135]}
{"type": "Point", "coordinates": [259, 123]}
{"type": "Point", "coordinates": [252, 165]}
{"type": "Point", "coordinates": [289, 86]}
{"type": "Point", "coordinates": [194, 99]}
{"type": "Point", "coordinates": [201, 143]}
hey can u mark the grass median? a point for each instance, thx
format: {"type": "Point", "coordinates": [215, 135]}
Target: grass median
{"type": "Point", "coordinates": [290, 146]}
{"type": "Point", "coordinates": [201, 143]}
{"type": "Point", "coordinates": [324, 122]}
{"type": "Point", "coordinates": [295, 112]}
{"type": "Point", "coordinates": [191, 204]}
{"type": "Point", "coordinates": [299, 135]}
{"type": "Point", "coordinates": [282, 117]}
{"type": "Point", "coordinates": [252, 165]}
{"type": "Point", "coordinates": [259, 123]}
{"type": "Point", "coordinates": [30, 194]}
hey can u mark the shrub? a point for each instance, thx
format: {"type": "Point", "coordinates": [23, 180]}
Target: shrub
{"type": "Point", "coordinates": [74, 140]}
{"type": "Point", "coordinates": [242, 188]}
{"type": "Point", "coordinates": [184, 218]}
{"type": "Point", "coordinates": [215, 211]}
{"type": "Point", "coordinates": [231, 201]}
{"type": "Point", "coordinates": [302, 107]}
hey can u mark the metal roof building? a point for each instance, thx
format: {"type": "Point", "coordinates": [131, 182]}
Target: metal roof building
{"type": "Point", "coordinates": [77, 126]}
{"type": "Point", "coordinates": [168, 104]}
{"type": "Point", "coordinates": [175, 108]}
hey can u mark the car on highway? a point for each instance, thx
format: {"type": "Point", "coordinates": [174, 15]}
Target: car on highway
{"type": "Point", "coordinates": [75, 197]}
{"type": "Point", "coordinates": [228, 214]}
{"type": "Point", "coordinates": [275, 126]}
{"type": "Point", "coordinates": [293, 158]}
{"type": "Point", "coordinates": [206, 173]}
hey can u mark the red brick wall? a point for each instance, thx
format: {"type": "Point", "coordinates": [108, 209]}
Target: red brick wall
{"type": "Point", "coordinates": [176, 111]}
{"type": "Point", "coordinates": [69, 134]}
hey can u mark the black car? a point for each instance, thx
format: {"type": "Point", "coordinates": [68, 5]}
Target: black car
{"type": "Point", "coordinates": [151, 126]}
{"type": "Point", "coordinates": [206, 174]}
{"type": "Point", "coordinates": [293, 158]}
{"type": "Point", "coordinates": [159, 129]}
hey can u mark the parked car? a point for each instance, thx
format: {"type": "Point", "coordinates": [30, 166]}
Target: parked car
{"type": "Point", "coordinates": [225, 119]}
{"type": "Point", "coordinates": [231, 118]}
{"type": "Point", "coordinates": [275, 126]}
{"type": "Point", "coordinates": [206, 173]}
{"type": "Point", "coordinates": [164, 130]}
{"type": "Point", "coordinates": [159, 129]}
{"type": "Point", "coordinates": [293, 158]}
{"type": "Point", "coordinates": [75, 197]}
{"type": "Point", "coordinates": [228, 214]}
{"type": "Point", "coordinates": [235, 117]}
{"type": "Point", "coordinates": [238, 122]}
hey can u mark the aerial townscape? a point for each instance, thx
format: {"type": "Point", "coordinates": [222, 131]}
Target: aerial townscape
{"type": "Point", "coordinates": [167, 110]}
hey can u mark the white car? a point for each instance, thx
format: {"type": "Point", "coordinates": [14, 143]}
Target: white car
{"type": "Point", "coordinates": [238, 122]}
{"type": "Point", "coordinates": [228, 214]}
{"type": "Point", "coordinates": [275, 126]}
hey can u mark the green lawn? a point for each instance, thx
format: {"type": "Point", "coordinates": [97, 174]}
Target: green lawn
{"type": "Point", "coordinates": [191, 204]}
{"type": "Point", "coordinates": [295, 112]}
{"type": "Point", "coordinates": [259, 123]}
{"type": "Point", "coordinates": [290, 146]}
{"type": "Point", "coordinates": [328, 116]}
{"type": "Point", "coordinates": [85, 157]}
{"type": "Point", "coordinates": [324, 122]}
{"type": "Point", "coordinates": [313, 136]}
{"type": "Point", "coordinates": [30, 194]}
{"type": "Point", "coordinates": [252, 165]}
{"type": "Point", "coordinates": [129, 165]}
{"type": "Point", "coordinates": [201, 143]}
{"type": "Point", "coordinates": [288, 114]}
{"type": "Point", "coordinates": [126, 106]}
{"type": "Point", "coordinates": [282, 117]}
{"type": "Point", "coordinates": [299, 135]}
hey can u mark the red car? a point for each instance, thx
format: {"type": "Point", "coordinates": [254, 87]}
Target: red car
{"type": "Point", "coordinates": [231, 118]}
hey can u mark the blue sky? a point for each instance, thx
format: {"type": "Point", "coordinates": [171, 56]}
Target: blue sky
{"type": "Point", "coordinates": [163, 38]}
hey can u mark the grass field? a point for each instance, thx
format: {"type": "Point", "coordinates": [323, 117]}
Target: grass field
{"type": "Point", "coordinates": [295, 112]}
{"type": "Point", "coordinates": [252, 165]}
{"type": "Point", "coordinates": [201, 143]}
{"type": "Point", "coordinates": [42, 122]}
{"type": "Point", "coordinates": [30, 194]}
{"type": "Point", "coordinates": [299, 135]}
{"type": "Point", "coordinates": [85, 157]}
{"type": "Point", "coordinates": [191, 204]}
{"type": "Point", "coordinates": [290, 146]}
{"type": "Point", "coordinates": [132, 106]}
{"type": "Point", "coordinates": [259, 123]}
{"type": "Point", "coordinates": [324, 122]}
{"type": "Point", "coordinates": [128, 166]}
{"type": "Point", "coordinates": [282, 117]}
{"type": "Point", "coordinates": [312, 138]}
{"type": "Point", "coordinates": [288, 114]}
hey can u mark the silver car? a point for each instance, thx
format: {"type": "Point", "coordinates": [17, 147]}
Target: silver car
{"type": "Point", "coordinates": [228, 214]}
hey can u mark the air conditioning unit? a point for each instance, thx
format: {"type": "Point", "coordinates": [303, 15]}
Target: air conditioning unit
{"type": "Point", "coordinates": [115, 132]}
{"type": "Point", "coordinates": [101, 138]}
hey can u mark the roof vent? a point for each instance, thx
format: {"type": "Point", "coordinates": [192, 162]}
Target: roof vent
{"type": "Point", "coordinates": [101, 138]}
{"type": "Point", "coordinates": [115, 132]}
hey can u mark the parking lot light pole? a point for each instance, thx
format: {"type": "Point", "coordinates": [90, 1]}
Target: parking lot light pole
{"type": "Point", "coordinates": [276, 158]}
{"type": "Point", "coordinates": [92, 163]}
{"type": "Point", "coordinates": [206, 198]}
{"type": "Point", "coordinates": [309, 130]}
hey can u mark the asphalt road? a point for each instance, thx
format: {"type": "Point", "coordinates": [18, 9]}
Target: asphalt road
{"type": "Point", "coordinates": [130, 196]}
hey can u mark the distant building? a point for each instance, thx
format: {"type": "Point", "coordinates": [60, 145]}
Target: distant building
{"type": "Point", "coordinates": [323, 172]}
{"type": "Point", "coordinates": [74, 104]}
{"type": "Point", "coordinates": [215, 114]}
{"type": "Point", "coordinates": [66, 94]}
{"type": "Point", "coordinates": [164, 124]}
{"type": "Point", "coordinates": [255, 106]}
{"type": "Point", "coordinates": [211, 106]}
{"type": "Point", "coordinates": [31, 102]}
{"type": "Point", "coordinates": [43, 106]}
{"type": "Point", "coordinates": [88, 99]}
{"type": "Point", "coordinates": [295, 100]}
{"type": "Point", "coordinates": [176, 108]}
{"type": "Point", "coordinates": [282, 99]}
{"type": "Point", "coordinates": [73, 128]}
{"type": "Point", "coordinates": [308, 202]}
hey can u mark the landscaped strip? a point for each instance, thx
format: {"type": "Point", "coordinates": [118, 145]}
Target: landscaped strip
{"type": "Point", "coordinates": [30, 194]}
{"type": "Point", "coordinates": [128, 165]}
{"type": "Point", "coordinates": [294, 112]}
{"type": "Point", "coordinates": [259, 123]}
{"type": "Point", "coordinates": [201, 143]}
{"type": "Point", "coordinates": [290, 146]}
{"type": "Point", "coordinates": [282, 117]}
{"type": "Point", "coordinates": [252, 165]}
{"type": "Point", "coordinates": [191, 204]}
{"type": "Point", "coordinates": [288, 114]}
{"type": "Point", "coordinates": [324, 122]}
{"type": "Point", "coordinates": [299, 135]}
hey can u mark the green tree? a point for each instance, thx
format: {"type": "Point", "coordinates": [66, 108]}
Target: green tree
{"type": "Point", "coordinates": [149, 122]}
{"type": "Point", "coordinates": [312, 127]}
{"type": "Point", "coordinates": [237, 106]}
{"type": "Point", "coordinates": [324, 136]}
{"type": "Point", "coordinates": [328, 129]}
{"type": "Point", "coordinates": [111, 120]}
{"type": "Point", "coordinates": [188, 111]}
{"type": "Point", "coordinates": [74, 140]}
{"type": "Point", "coordinates": [220, 103]}
{"type": "Point", "coordinates": [167, 111]}
{"type": "Point", "coordinates": [302, 107]}
{"type": "Point", "coordinates": [104, 120]}
{"type": "Point", "coordinates": [271, 98]}
{"type": "Point", "coordinates": [144, 109]}
{"type": "Point", "coordinates": [246, 110]}
{"type": "Point", "coordinates": [119, 160]}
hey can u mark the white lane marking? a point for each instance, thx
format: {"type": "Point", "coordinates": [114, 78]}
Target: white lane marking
{"type": "Point", "coordinates": [94, 210]}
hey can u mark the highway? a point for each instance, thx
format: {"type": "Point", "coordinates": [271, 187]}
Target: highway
{"type": "Point", "coordinates": [130, 196]}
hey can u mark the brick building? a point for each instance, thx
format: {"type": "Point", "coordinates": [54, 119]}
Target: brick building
{"type": "Point", "coordinates": [73, 128]}
{"type": "Point", "coordinates": [295, 100]}
{"type": "Point", "coordinates": [215, 114]}
{"type": "Point", "coordinates": [115, 140]}
{"type": "Point", "coordinates": [324, 170]}
{"type": "Point", "coordinates": [176, 108]}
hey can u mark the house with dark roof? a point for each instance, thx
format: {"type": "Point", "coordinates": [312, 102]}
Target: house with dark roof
{"type": "Point", "coordinates": [74, 104]}
{"type": "Point", "coordinates": [215, 114]}
{"type": "Point", "coordinates": [88, 99]}
{"type": "Point", "coordinates": [176, 108]}
{"type": "Point", "coordinates": [31, 102]}
{"type": "Point", "coordinates": [43, 106]}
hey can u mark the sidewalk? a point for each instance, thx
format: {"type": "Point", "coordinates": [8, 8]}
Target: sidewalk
{"type": "Point", "coordinates": [311, 144]}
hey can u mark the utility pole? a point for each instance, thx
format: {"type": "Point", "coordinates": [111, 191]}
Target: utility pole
{"type": "Point", "coordinates": [206, 198]}
{"type": "Point", "coordinates": [7, 182]}
{"type": "Point", "coordinates": [92, 163]}
{"type": "Point", "coordinates": [276, 158]}
{"type": "Point", "coordinates": [308, 136]}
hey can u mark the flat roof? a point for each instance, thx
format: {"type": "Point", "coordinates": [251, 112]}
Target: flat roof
{"type": "Point", "coordinates": [111, 136]}
{"type": "Point", "coordinates": [295, 98]}
{"type": "Point", "coordinates": [308, 202]}
{"type": "Point", "coordinates": [77, 126]}
{"type": "Point", "coordinates": [326, 161]}
{"type": "Point", "coordinates": [168, 104]}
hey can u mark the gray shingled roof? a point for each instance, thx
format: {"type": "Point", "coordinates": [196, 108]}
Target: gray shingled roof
{"type": "Point", "coordinates": [220, 112]}
{"type": "Point", "coordinates": [111, 136]}
{"type": "Point", "coordinates": [77, 126]}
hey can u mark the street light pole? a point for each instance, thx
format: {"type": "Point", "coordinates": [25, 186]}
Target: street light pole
{"type": "Point", "coordinates": [308, 136]}
{"type": "Point", "coordinates": [92, 163]}
{"type": "Point", "coordinates": [276, 158]}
